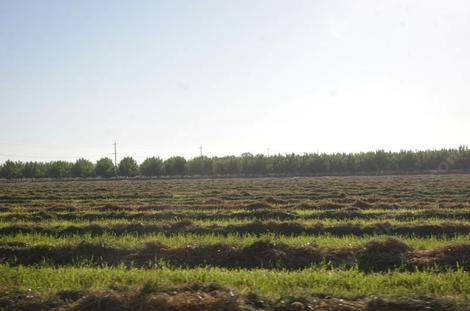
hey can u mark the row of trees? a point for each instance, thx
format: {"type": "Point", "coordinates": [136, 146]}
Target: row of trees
{"type": "Point", "coordinates": [248, 165]}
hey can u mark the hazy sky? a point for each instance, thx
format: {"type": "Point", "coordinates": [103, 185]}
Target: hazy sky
{"type": "Point", "coordinates": [164, 77]}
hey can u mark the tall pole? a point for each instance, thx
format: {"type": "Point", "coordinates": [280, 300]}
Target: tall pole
{"type": "Point", "coordinates": [115, 155]}
{"type": "Point", "coordinates": [200, 151]}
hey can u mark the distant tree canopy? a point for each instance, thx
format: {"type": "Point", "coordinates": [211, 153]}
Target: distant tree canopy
{"type": "Point", "coordinates": [151, 167]}
{"type": "Point", "coordinates": [200, 166]}
{"type": "Point", "coordinates": [12, 169]}
{"type": "Point", "coordinates": [247, 164]}
{"type": "Point", "coordinates": [83, 168]}
{"type": "Point", "coordinates": [175, 166]}
{"type": "Point", "coordinates": [128, 167]}
{"type": "Point", "coordinates": [59, 169]}
{"type": "Point", "coordinates": [105, 168]}
{"type": "Point", "coordinates": [34, 170]}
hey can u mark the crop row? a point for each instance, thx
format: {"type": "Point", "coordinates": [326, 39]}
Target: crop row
{"type": "Point", "coordinates": [307, 206]}
{"type": "Point", "coordinates": [209, 297]}
{"type": "Point", "coordinates": [182, 239]}
{"type": "Point", "coordinates": [264, 214]}
{"type": "Point", "coordinates": [278, 228]}
{"type": "Point", "coordinates": [448, 189]}
{"type": "Point", "coordinates": [375, 255]}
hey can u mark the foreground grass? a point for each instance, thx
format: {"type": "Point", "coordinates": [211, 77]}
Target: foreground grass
{"type": "Point", "coordinates": [226, 222]}
{"type": "Point", "coordinates": [269, 283]}
{"type": "Point", "coordinates": [177, 240]}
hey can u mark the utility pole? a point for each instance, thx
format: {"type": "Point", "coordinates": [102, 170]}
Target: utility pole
{"type": "Point", "coordinates": [115, 155]}
{"type": "Point", "coordinates": [268, 151]}
{"type": "Point", "coordinates": [200, 151]}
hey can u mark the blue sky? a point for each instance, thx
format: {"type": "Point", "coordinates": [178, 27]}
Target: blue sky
{"type": "Point", "coordinates": [164, 77]}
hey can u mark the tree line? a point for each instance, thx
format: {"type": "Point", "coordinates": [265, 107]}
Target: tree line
{"type": "Point", "coordinates": [247, 164]}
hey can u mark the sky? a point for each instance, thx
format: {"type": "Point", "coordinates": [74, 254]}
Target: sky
{"type": "Point", "coordinates": [162, 78]}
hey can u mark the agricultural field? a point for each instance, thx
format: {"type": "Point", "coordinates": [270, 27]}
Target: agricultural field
{"type": "Point", "coordinates": [310, 243]}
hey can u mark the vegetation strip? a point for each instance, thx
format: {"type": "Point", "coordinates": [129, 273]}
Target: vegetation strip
{"type": "Point", "coordinates": [267, 282]}
{"type": "Point", "coordinates": [249, 165]}
{"type": "Point", "coordinates": [211, 297]}
{"type": "Point", "coordinates": [273, 237]}
{"type": "Point", "coordinates": [259, 214]}
{"type": "Point", "coordinates": [280, 228]}
{"type": "Point", "coordinates": [375, 255]}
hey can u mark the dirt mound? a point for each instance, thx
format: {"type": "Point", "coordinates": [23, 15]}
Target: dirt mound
{"type": "Point", "coordinates": [330, 205]}
{"type": "Point", "coordinates": [211, 297]}
{"type": "Point", "coordinates": [376, 255]}
{"type": "Point", "coordinates": [305, 206]}
{"type": "Point", "coordinates": [447, 256]}
{"type": "Point", "coordinates": [409, 304]}
{"type": "Point", "coordinates": [262, 254]}
{"type": "Point", "coordinates": [273, 200]}
{"type": "Point", "coordinates": [383, 254]}
{"type": "Point", "coordinates": [258, 205]}
{"type": "Point", "coordinates": [214, 201]}
{"type": "Point", "coordinates": [61, 208]}
{"type": "Point", "coordinates": [256, 227]}
{"type": "Point", "coordinates": [112, 208]}
{"type": "Point", "coordinates": [361, 204]}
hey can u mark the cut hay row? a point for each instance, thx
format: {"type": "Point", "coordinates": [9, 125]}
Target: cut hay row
{"type": "Point", "coordinates": [231, 206]}
{"type": "Point", "coordinates": [375, 255]}
{"type": "Point", "coordinates": [182, 239]}
{"type": "Point", "coordinates": [269, 283]}
{"type": "Point", "coordinates": [84, 245]}
{"type": "Point", "coordinates": [253, 228]}
{"type": "Point", "coordinates": [259, 214]}
{"type": "Point", "coordinates": [447, 189]}
{"type": "Point", "coordinates": [209, 297]}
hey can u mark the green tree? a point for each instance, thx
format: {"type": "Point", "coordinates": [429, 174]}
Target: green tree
{"type": "Point", "coordinates": [128, 167]}
{"type": "Point", "coordinates": [407, 160]}
{"type": "Point", "coordinates": [83, 168]}
{"type": "Point", "coordinates": [12, 169]}
{"type": "Point", "coordinates": [151, 167]}
{"type": "Point", "coordinates": [316, 163]}
{"type": "Point", "coordinates": [175, 166]}
{"type": "Point", "coordinates": [33, 170]}
{"type": "Point", "coordinates": [246, 163]}
{"type": "Point", "coordinates": [259, 164]}
{"type": "Point", "coordinates": [228, 165]}
{"type": "Point", "coordinates": [58, 169]}
{"type": "Point", "coordinates": [105, 168]}
{"type": "Point", "coordinates": [200, 166]}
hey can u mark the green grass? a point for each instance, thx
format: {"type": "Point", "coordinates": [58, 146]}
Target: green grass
{"type": "Point", "coordinates": [188, 197]}
{"type": "Point", "coordinates": [236, 211]}
{"type": "Point", "coordinates": [132, 240]}
{"type": "Point", "coordinates": [270, 283]}
{"type": "Point", "coordinates": [224, 222]}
